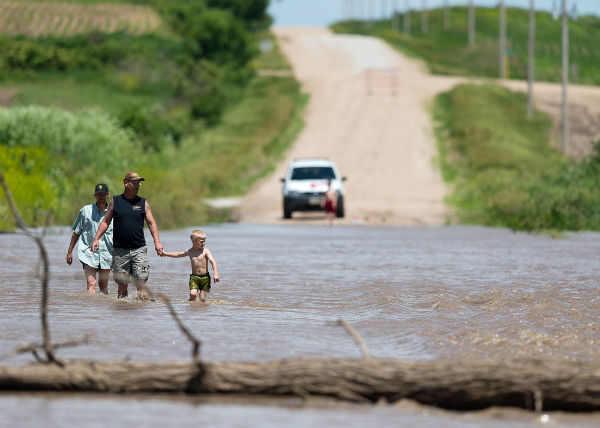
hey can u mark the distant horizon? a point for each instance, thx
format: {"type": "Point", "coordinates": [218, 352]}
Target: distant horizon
{"type": "Point", "coordinates": [322, 13]}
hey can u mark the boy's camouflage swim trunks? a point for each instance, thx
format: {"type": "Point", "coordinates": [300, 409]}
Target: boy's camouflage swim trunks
{"type": "Point", "coordinates": [201, 282]}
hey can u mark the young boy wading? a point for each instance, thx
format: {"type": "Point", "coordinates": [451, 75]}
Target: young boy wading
{"type": "Point", "coordinates": [130, 254]}
{"type": "Point", "coordinates": [199, 258]}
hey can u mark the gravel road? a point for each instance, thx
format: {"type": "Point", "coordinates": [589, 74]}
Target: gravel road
{"type": "Point", "coordinates": [368, 112]}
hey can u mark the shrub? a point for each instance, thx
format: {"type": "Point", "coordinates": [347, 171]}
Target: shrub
{"type": "Point", "coordinates": [207, 92]}
{"type": "Point", "coordinates": [251, 11]}
{"type": "Point", "coordinates": [153, 129]}
{"type": "Point", "coordinates": [87, 137]}
{"type": "Point", "coordinates": [83, 148]}
{"type": "Point", "coordinates": [27, 172]}
{"type": "Point", "coordinates": [209, 107]}
{"type": "Point", "coordinates": [219, 37]}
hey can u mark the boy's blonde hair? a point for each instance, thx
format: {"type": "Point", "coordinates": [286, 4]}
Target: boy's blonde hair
{"type": "Point", "coordinates": [197, 235]}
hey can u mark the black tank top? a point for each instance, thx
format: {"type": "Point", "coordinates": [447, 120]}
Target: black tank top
{"type": "Point", "coordinates": [128, 222]}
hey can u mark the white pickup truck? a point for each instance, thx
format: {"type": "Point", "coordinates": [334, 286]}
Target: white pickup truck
{"type": "Point", "coordinates": [305, 183]}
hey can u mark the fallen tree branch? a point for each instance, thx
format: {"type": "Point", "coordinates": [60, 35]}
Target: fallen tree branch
{"type": "Point", "coordinates": [563, 385]}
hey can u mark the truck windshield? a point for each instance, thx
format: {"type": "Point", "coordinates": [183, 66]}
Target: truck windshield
{"type": "Point", "coordinates": [313, 173]}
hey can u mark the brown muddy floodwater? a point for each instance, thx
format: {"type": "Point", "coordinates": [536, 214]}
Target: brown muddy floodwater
{"type": "Point", "coordinates": [452, 293]}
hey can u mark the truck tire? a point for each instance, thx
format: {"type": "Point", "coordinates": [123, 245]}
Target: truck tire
{"type": "Point", "coordinates": [287, 210]}
{"type": "Point", "coordinates": [340, 207]}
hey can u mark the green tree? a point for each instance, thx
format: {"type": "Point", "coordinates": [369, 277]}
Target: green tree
{"type": "Point", "coordinates": [251, 11]}
{"type": "Point", "coordinates": [218, 36]}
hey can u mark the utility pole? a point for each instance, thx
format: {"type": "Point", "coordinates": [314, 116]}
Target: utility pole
{"type": "Point", "coordinates": [471, 24]}
{"type": "Point", "coordinates": [406, 22]}
{"type": "Point", "coordinates": [530, 58]}
{"type": "Point", "coordinates": [424, 17]}
{"type": "Point", "coordinates": [372, 12]}
{"type": "Point", "coordinates": [502, 41]}
{"type": "Point", "coordinates": [395, 15]}
{"type": "Point", "coordinates": [565, 76]}
{"type": "Point", "coordinates": [446, 15]}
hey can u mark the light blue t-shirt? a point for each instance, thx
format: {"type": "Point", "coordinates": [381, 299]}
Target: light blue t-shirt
{"type": "Point", "coordinates": [86, 226]}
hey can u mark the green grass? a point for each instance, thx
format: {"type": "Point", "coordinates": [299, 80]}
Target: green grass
{"type": "Point", "coordinates": [446, 51]}
{"type": "Point", "coordinates": [79, 90]}
{"type": "Point", "coordinates": [271, 58]}
{"type": "Point", "coordinates": [502, 170]}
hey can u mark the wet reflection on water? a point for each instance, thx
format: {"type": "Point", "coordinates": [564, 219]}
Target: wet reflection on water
{"type": "Point", "coordinates": [96, 410]}
{"type": "Point", "coordinates": [454, 293]}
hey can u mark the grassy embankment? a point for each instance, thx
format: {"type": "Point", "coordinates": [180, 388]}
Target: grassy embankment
{"type": "Point", "coordinates": [503, 171]}
{"type": "Point", "coordinates": [501, 167]}
{"type": "Point", "coordinates": [88, 108]}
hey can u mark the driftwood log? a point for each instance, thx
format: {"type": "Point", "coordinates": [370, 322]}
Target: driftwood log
{"type": "Point", "coordinates": [535, 385]}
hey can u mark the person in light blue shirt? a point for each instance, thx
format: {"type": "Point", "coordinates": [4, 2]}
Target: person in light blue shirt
{"type": "Point", "coordinates": [85, 227]}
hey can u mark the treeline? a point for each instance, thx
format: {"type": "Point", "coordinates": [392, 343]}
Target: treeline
{"type": "Point", "coordinates": [94, 50]}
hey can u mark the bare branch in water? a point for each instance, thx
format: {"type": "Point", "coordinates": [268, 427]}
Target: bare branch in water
{"type": "Point", "coordinates": [357, 338]}
{"type": "Point", "coordinates": [48, 348]}
{"type": "Point", "coordinates": [33, 348]}
{"type": "Point", "coordinates": [196, 343]}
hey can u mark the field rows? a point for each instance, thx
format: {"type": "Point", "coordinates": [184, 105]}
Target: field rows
{"type": "Point", "coordinates": [58, 19]}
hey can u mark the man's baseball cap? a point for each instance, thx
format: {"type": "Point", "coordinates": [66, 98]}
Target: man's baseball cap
{"type": "Point", "coordinates": [133, 176]}
{"type": "Point", "coordinates": [100, 188]}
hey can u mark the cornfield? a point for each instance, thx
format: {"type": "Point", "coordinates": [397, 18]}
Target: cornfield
{"type": "Point", "coordinates": [63, 19]}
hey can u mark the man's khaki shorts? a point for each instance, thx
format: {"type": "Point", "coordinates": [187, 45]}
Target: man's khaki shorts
{"type": "Point", "coordinates": [130, 265]}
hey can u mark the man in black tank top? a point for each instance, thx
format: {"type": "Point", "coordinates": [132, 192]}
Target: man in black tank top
{"type": "Point", "coordinates": [130, 254]}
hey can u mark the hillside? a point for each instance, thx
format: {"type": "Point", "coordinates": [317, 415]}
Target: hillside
{"type": "Point", "coordinates": [101, 88]}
